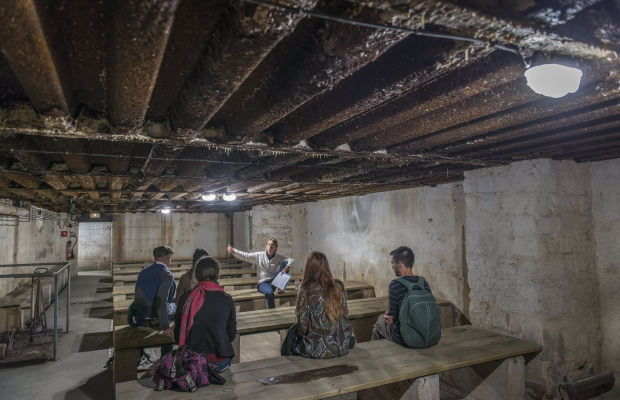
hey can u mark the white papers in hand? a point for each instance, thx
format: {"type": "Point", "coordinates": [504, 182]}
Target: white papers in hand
{"type": "Point", "coordinates": [281, 280]}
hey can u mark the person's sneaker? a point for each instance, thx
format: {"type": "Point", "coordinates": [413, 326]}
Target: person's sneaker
{"type": "Point", "coordinates": [145, 359]}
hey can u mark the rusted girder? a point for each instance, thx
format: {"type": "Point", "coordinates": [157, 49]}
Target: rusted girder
{"type": "Point", "coordinates": [140, 34]}
{"type": "Point", "coordinates": [482, 75]}
{"type": "Point", "coordinates": [194, 22]}
{"type": "Point", "coordinates": [243, 36]}
{"type": "Point", "coordinates": [493, 30]}
{"type": "Point", "coordinates": [509, 104]}
{"type": "Point", "coordinates": [545, 142]}
{"type": "Point", "coordinates": [400, 69]}
{"type": "Point", "coordinates": [598, 100]}
{"type": "Point", "coordinates": [411, 132]}
{"type": "Point", "coordinates": [313, 60]}
{"type": "Point", "coordinates": [24, 46]}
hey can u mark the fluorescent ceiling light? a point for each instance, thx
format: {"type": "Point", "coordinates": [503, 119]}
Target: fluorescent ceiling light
{"type": "Point", "coordinates": [209, 196]}
{"type": "Point", "coordinates": [165, 211]}
{"type": "Point", "coordinates": [229, 197]}
{"type": "Point", "coordinates": [553, 80]}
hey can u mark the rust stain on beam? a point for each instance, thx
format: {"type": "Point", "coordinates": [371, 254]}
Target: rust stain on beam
{"type": "Point", "coordinates": [23, 44]}
{"type": "Point", "coordinates": [322, 55]}
{"type": "Point", "coordinates": [244, 36]}
{"type": "Point", "coordinates": [116, 185]}
{"type": "Point", "coordinates": [491, 29]}
{"type": "Point", "coordinates": [558, 132]}
{"type": "Point", "coordinates": [401, 69]}
{"type": "Point", "coordinates": [418, 133]}
{"type": "Point", "coordinates": [141, 31]}
{"type": "Point", "coordinates": [478, 77]}
{"type": "Point", "coordinates": [509, 106]}
{"type": "Point", "coordinates": [22, 179]}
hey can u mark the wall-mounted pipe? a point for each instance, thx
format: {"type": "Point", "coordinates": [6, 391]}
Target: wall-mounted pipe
{"type": "Point", "coordinates": [6, 209]}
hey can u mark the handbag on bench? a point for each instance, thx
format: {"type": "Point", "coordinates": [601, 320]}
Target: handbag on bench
{"type": "Point", "coordinates": [185, 370]}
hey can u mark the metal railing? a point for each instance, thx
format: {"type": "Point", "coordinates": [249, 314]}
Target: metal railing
{"type": "Point", "coordinates": [64, 266]}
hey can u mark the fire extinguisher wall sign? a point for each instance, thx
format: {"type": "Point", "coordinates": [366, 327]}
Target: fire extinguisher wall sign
{"type": "Point", "coordinates": [69, 250]}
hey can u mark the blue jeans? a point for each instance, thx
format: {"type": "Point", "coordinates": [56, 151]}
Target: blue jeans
{"type": "Point", "coordinates": [223, 365]}
{"type": "Point", "coordinates": [267, 289]}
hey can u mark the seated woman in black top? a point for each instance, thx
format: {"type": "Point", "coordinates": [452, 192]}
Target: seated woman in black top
{"type": "Point", "coordinates": [207, 321]}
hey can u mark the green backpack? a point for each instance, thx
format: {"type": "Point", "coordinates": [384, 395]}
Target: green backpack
{"type": "Point", "coordinates": [420, 325]}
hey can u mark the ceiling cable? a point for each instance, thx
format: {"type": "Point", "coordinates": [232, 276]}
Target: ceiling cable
{"type": "Point", "coordinates": [349, 21]}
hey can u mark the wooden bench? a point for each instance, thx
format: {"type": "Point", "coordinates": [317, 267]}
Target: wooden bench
{"type": "Point", "coordinates": [178, 271]}
{"type": "Point", "coordinates": [362, 314]}
{"type": "Point", "coordinates": [246, 299]}
{"type": "Point", "coordinates": [495, 361]}
{"type": "Point", "coordinates": [15, 308]}
{"type": "Point", "coordinates": [224, 262]}
{"type": "Point", "coordinates": [229, 283]}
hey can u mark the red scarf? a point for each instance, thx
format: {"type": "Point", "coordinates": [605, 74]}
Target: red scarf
{"type": "Point", "coordinates": [194, 302]}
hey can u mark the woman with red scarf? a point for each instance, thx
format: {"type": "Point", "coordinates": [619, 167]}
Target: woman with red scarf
{"type": "Point", "coordinates": [207, 321]}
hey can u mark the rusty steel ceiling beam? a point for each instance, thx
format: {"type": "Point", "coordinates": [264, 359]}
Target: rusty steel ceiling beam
{"type": "Point", "coordinates": [313, 60]}
{"type": "Point", "coordinates": [242, 38]}
{"type": "Point", "coordinates": [25, 47]}
{"type": "Point", "coordinates": [140, 34]}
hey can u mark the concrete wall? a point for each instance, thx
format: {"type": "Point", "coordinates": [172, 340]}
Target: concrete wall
{"type": "Point", "coordinates": [524, 249]}
{"type": "Point", "coordinates": [606, 215]}
{"type": "Point", "coordinates": [357, 234]}
{"type": "Point", "coordinates": [287, 224]}
{"type": "Point", "coordinates": [532, 271]}
{"type": "Point", "coordinates": [36, 241]}
{"type": "Point", "coordinates": [95, 246]}
{"type": "Point", "coordinates": [135, 235]}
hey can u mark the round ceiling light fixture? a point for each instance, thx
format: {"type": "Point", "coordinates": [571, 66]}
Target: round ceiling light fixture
{"type": "Point", "coordinates": [229, 197]}
{"type": "Point", "coordinates": [209, 196]}
{"type": "Point", "coordinates": [553, 80]}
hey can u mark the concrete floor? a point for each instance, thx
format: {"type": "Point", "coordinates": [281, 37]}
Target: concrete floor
{"type": "Point", "coordinates": [79, 372]}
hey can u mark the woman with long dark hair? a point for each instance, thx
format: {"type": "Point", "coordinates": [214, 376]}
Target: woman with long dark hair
{"type": "Point", "coordinates": [188, 280]}
{"type": "Point", "coordinates": [206, 320]}
{"type": "Point", "coordinates": [323, 326]}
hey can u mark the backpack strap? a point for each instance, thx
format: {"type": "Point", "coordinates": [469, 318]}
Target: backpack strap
{"type": "Point", "coordinates": [409, 285]}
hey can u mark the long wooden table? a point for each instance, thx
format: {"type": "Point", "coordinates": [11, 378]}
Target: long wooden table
{"type": "Point", "coordinates": [247, 299]}
{"type": "Point", "coordinates": [128, 340]}
{"type": "Point", "coordinates": [497, 358]}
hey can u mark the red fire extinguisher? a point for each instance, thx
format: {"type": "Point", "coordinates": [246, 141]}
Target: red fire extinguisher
{"type": "Point", "coordinates": [69, 250]}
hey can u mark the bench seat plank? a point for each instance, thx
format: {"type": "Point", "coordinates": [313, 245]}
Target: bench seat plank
{"type": "Point", "coordinates": [124, 281]}
{"type": "Point", "coordinates": [368, 365]}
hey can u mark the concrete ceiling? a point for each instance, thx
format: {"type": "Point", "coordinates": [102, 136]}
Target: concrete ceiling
{"type": "Point", "coordinates": [131, 105]}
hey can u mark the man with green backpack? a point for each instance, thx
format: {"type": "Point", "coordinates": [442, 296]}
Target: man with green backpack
{"type": "Point", "coordinates": [412, 319]}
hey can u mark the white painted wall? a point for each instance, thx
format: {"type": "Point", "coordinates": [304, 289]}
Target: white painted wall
{"type": "Point", "coordinates": [36, 241]}
{"type": "Point", "coordinates": [95, 246]}
{"type": "Point", "coordinates": [135, 235]}
{"type": "Point", "coordinates": [606, 215]}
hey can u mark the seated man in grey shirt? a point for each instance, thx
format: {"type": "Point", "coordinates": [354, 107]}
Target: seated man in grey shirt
{"type": "Point", "coordinates": [268, 264]}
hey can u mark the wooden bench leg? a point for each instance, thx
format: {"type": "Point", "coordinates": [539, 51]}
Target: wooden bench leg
{"type": "Point", "coordinates": [368, 293]}
{"type": "Point", "coordinates": [237, 347]}
{"type": "Point", "coordinates": [125, 365]}
{"type": "Point", "coordinates": [362, 328]}
{"type": "Point", "coordinates": [503, 379]}
{"type": "Point", "coordinates": [424, 388]}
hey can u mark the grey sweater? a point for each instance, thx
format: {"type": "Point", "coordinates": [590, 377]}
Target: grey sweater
{"type": "Point", "coordinates": [266, 268]}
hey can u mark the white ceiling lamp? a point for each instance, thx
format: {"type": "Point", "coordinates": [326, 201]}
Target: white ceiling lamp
{"type": "Point", "coordinates": [229, 197]}
{"type": "Point", "coordinates": [209, 196]}
{"type": "Point", "coordinates": [546, 77]}
{"type": "Point", "coordinates": [165, 210]}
